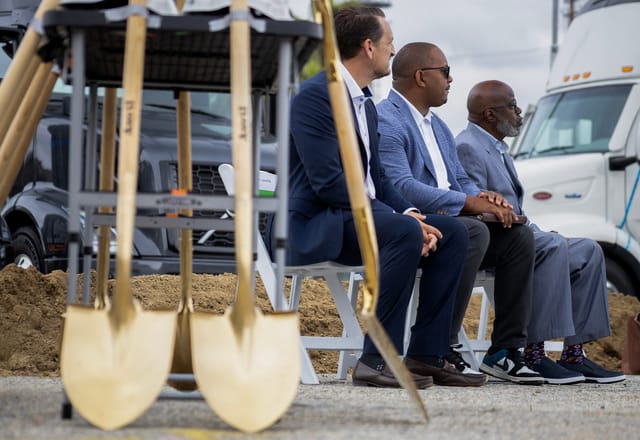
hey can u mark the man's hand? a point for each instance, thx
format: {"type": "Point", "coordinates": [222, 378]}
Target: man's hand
{"type": "Point", "coordinates": [430, 234]}
{"type": "Point", "coordinates": [478, 205]}
{"type": "Point", "coordinates": [496, 199]}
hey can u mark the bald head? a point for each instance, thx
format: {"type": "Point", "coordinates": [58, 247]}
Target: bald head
{"type": "Point", "coordinates": [492, 105]}
{"type": "Point", "coordinates": [487, 94]}
{"type": "Point", "coordinates": [410, 58]}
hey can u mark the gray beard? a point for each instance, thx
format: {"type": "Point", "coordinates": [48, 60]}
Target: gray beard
{"type": "Point", "coordinates": [508, 129]}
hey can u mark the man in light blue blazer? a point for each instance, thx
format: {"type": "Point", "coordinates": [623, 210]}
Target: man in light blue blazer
{"type": "Point", "coordinates": [569, 282]}
{"type": "Point", "coordinates": [418, 153]}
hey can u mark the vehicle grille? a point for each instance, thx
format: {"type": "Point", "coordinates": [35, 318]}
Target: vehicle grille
{"type": "Point", "coordinates": [207, 181]}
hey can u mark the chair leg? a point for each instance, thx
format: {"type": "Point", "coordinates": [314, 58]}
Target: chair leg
{"type": "Point", "coordinates": [411, 312]}
{"type": "Point", "coordinates": [348, 358]}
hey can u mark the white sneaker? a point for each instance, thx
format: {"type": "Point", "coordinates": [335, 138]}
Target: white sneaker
{"type": "Point", "coordinates": [455, 358]}
{"type": "Point", "coordinates": [508, 364]}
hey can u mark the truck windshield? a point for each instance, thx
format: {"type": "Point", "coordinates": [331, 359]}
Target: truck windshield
{"type": "Point", "coordinates": [574, 122]}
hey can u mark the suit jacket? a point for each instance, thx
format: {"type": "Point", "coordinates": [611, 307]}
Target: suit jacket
{"type": "Point", "coordinates": [483, 163]}
{"type": "Point", "coordinates": [318, 196]}
{"type": "Point", "coordinates": [405, 157]}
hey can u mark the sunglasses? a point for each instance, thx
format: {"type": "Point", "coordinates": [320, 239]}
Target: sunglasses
{"type": "Point", "coordinates": [446, 70]}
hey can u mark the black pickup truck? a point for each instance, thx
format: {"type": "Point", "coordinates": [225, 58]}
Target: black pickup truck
{"type": "Point", "coordinates": [36, 211]}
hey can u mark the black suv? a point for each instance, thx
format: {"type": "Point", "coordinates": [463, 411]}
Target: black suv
{"type": "Point", "coordinates": [36, 211]}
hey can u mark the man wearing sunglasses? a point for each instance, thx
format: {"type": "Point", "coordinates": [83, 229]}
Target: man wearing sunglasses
{"type": "Point", "coordinates": [569, 281]}
{"type": "Point", "coordinates": [418, 153]}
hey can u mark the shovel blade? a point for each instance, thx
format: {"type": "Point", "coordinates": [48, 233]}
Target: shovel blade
{"type": "Point", "coordinates": [112, 375]}
{"type": "Point", "coordinates": [250, 379]}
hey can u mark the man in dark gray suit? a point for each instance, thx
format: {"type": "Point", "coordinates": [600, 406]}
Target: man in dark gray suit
{"type": "Point", "coordinates": [569, 282]}
{"type": "Point", "coordinates": [418, 152]}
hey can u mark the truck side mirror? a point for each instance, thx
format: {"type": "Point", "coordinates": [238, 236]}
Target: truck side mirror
{"type": "Point", "coordinates": [619, 163]}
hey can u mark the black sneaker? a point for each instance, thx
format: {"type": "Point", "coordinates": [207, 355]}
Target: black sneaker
{"type": "Point", "coordinates": [508, 364]}
{"type": "Point", "coordinates": [593, 372]}
{"type": "Point", "coordinates": [455, 358]}
{"type": "Point", "coordinates": [555, 373]}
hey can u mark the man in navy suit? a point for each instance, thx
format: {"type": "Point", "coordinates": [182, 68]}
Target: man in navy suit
{"type": "Point", "coordinates": [569, 281]}
{"type": "Point", "coordinates": [321, 224]}
{"type": "Point", "coordinates": [418, 152]}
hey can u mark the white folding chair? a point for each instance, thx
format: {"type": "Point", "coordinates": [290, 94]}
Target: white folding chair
{"type": "Point", "coordinates": [468, 346]}
{"type": "Point", "coordinates": [350, 343]}
{"type": "Point", "coordinates": [484, 285]}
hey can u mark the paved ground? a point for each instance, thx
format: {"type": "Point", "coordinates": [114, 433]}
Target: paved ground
{"type": "Point", "coordinates": [30, 409]}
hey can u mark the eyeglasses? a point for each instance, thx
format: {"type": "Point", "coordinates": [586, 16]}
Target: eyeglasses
{"type": "Point", "coordinates": [513, 106]}
{"type": "Point", "coordinates": [446, 70]}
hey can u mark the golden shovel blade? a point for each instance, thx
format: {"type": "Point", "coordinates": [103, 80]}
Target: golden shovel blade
{"type": "Point", "coordinates": [112, 375]}
{"type": "Point", "coordinates": [250, 379]}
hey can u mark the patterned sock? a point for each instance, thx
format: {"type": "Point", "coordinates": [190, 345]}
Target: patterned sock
{"type": "Point", "coordinates": [572, 354]}
{"type": "Point", "coordinates": [374, 361]}
{"type": "Point", "coordinates": [533, 353]}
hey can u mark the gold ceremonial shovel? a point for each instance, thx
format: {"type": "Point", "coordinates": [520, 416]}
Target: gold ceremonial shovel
{"type": "Point", "coordinates": [114, 362]}
{"type": "Point", "coordinates": [360, 206]}
{"type": "Point", "coordinates": [182, 349]}
{"type": "Point", "coordinates": [247, 365]}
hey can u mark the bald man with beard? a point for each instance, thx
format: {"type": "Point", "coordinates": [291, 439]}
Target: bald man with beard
{"type": "Point", "coordinates": [418, 153]}
{"type": "Point", "coordinates": [569, 281]}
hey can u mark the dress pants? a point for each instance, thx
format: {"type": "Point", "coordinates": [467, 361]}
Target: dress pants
{"type": "Point", "coordinates": [400, 244]}
{"type": "Point", "coordinates": [509, 254]}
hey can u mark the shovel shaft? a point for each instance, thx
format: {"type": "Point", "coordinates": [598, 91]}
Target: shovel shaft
{"type": "Point", "coordinates": [360, 206]}
{"type": "Point", "coordinates": [185, 182]}
{"type": "Point", "coordinates": [20, 72]}
{"type": "Point", "coordinates": [128, 160]}
{"type": "Point", "coordinates": [107, 171]}
{"type": "Point", "coordinates": [23, 126]}
{"type": "Point", "coordinates": [241, 128]}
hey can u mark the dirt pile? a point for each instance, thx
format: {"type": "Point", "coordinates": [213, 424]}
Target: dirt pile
{"type": "Point", "coordinates": [32, 307]}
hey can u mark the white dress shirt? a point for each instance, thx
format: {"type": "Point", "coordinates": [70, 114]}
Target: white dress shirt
{"type": "Point", "coordinates": [424, 124]}
{"type": "Point", "coordinates": [358, 99]}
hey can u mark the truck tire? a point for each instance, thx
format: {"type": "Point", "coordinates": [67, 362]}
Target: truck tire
{"type": "Point", "coordinates": [618, 280]}
{"type": "Point", "coordinates": [27, 251]}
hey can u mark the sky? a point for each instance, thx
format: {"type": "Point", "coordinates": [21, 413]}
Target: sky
{"type": "Point", "coordinates": [508, 40]}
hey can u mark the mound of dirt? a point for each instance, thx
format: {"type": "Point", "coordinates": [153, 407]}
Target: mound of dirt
{"type": "Point", "coordinates": [32, 307]}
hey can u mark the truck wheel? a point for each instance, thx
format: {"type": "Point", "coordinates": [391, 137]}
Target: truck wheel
{"type": "Point", "coordinates": [618, 280]}
{"type": "Point", "coordinates": [26, 249]}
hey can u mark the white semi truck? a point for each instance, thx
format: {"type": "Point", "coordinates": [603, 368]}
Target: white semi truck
{"type": "Point", "coordinates": [578, 152]}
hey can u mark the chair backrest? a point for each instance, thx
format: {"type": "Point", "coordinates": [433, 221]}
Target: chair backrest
{"type": "Point", "coordinates": [266, 181]}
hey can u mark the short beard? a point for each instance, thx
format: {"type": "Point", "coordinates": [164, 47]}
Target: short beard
{"type": "Point", "coordinates": [507, 129]}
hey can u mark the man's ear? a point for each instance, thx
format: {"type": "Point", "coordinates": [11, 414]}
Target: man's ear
{"type": "Point", "coordinates": [489, 115]}
{"type": "Point", "coordinates": [367, 45]}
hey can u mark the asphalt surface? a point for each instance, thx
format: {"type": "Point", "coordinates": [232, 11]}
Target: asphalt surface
{"type": "Point", "coordinates": [30, 408]}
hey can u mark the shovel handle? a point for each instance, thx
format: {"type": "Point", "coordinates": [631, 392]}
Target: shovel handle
{"type": "Point", "coordinates": [350, 154]}
{"type": "Point", "coordinates": [185, 183]}
{"type": "Point", "coordinates": [20, 72]}
{"type": "Point", "coordinates": [241, 132]}
{"type": "Point", "coordinates": [134, 53]}
{"type": "Point", "coordinates": [107, 171]}
{"type": "Point", "coordinates": [361, 208]}
{"type": "Point", "coordinates": [23, 125]}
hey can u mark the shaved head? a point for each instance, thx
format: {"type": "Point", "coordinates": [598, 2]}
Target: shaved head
{"type": "Point", "coordinates": [492, 105]}
{"type": "Point", "coordinates": [486, 94]}
{"type": "Point", "coordinates": [412, 57]}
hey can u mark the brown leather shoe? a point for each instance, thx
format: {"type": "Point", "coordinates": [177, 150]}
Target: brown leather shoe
{"type": "Point", "coordinates": [364, 375]}
{"type": "Point", "coordinates": [446, 375]}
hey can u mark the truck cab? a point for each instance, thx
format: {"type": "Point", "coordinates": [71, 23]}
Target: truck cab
{"type": "Point", "coordinates": [578, 152]}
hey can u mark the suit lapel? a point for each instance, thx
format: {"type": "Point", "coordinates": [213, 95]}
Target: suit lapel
{"type": "Point", "coordinates": [414, 132]}
{"type": "Point", "coordinates": [363, 151]}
